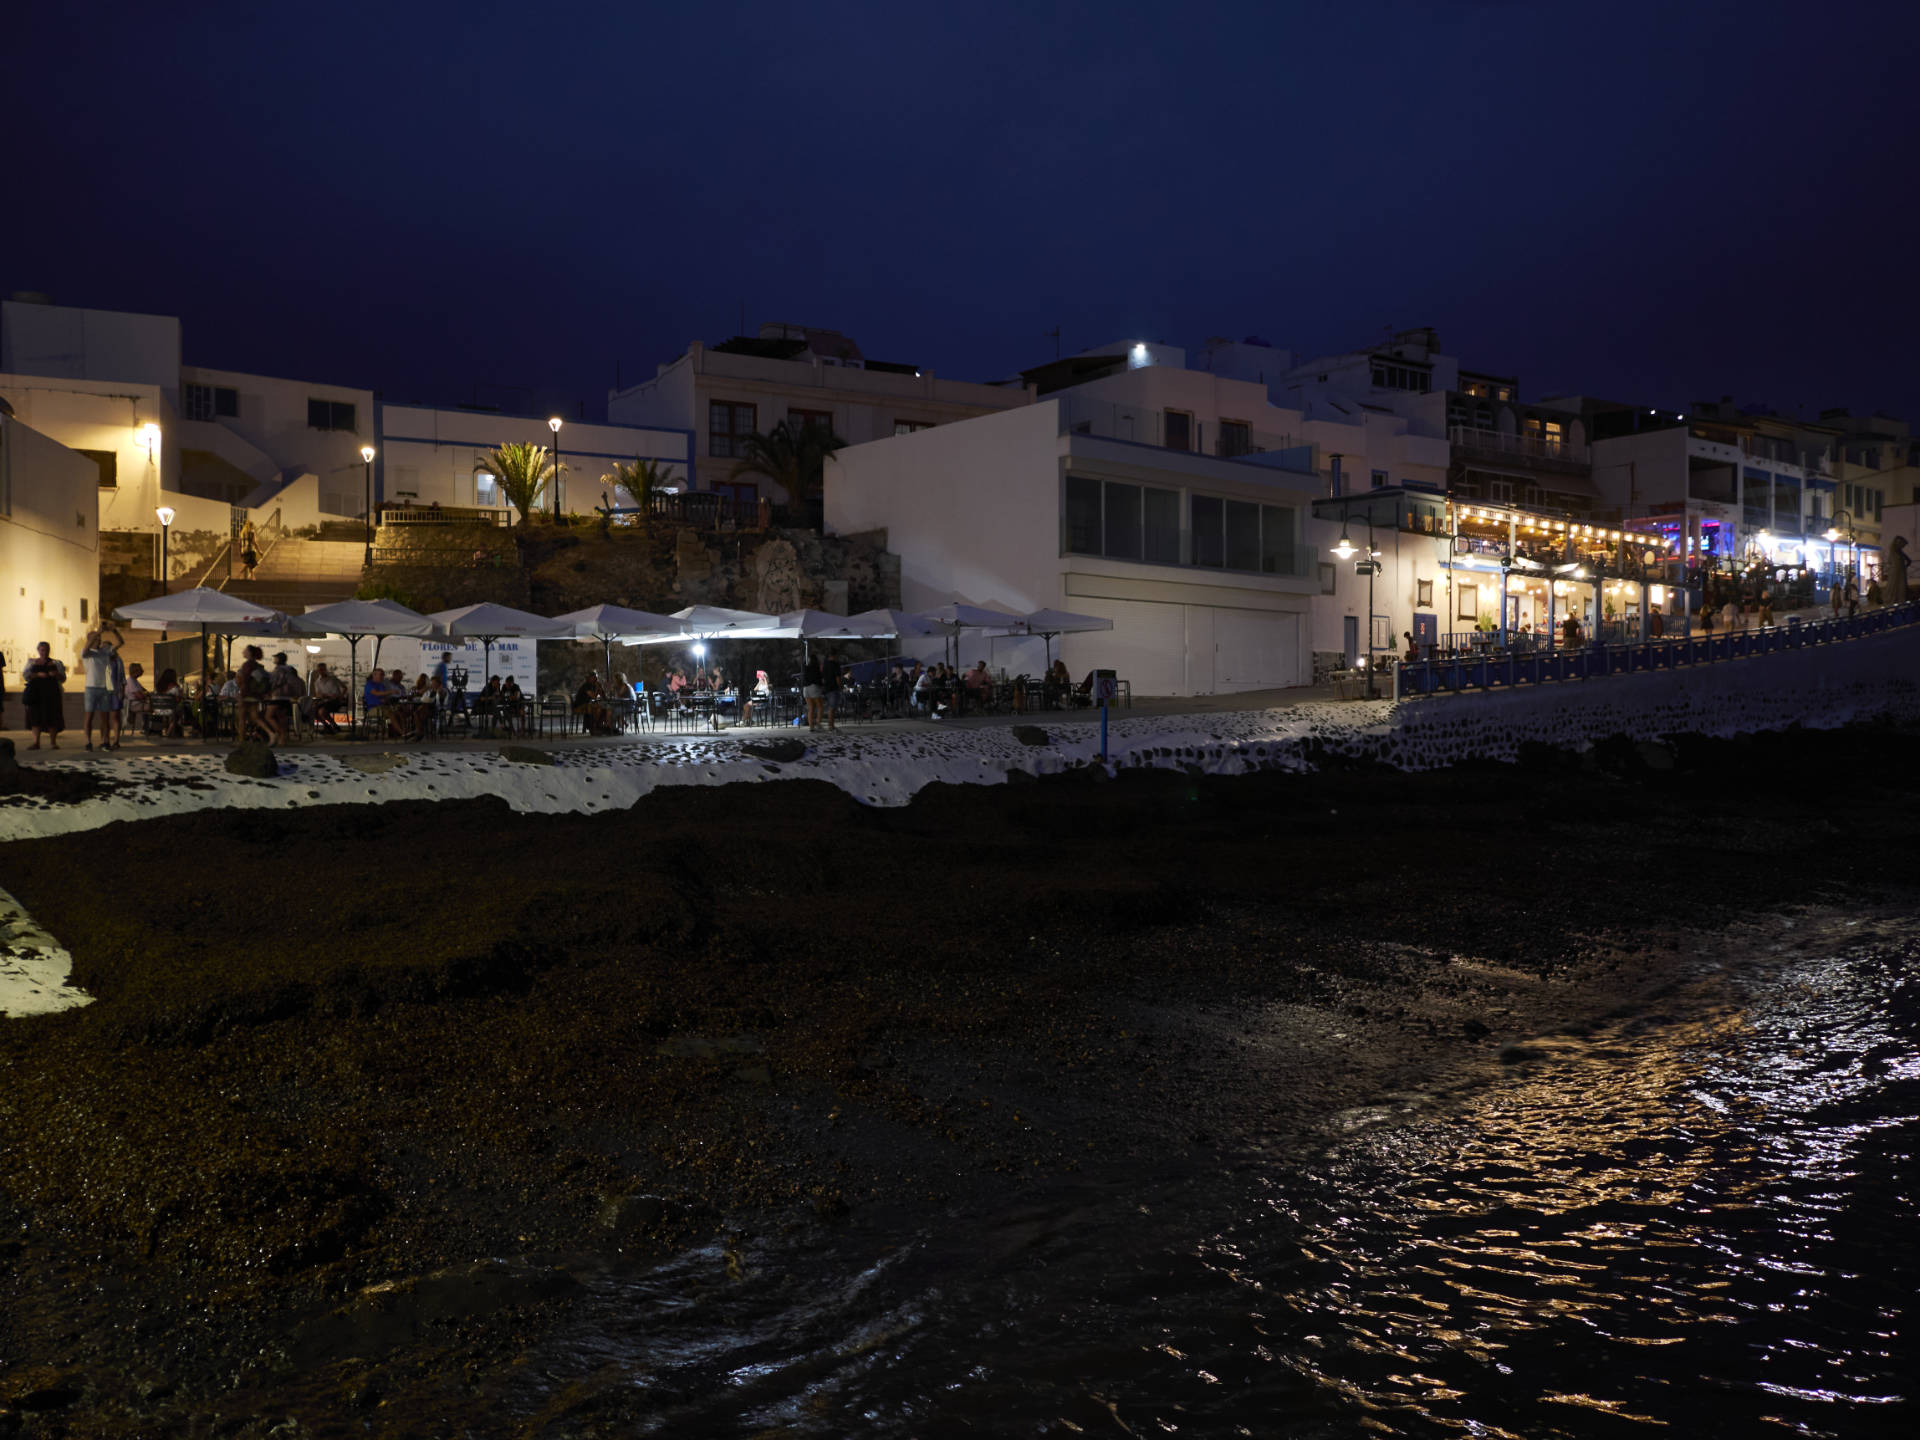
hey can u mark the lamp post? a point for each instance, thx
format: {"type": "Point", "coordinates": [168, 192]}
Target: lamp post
{"type": "Point", "coordinates": [366, 458]}
{"type": "Point", "coordinates": [1345, 550]}
{"type": "Point", "coordinates": [164, 514]}
{"type": "Point", "coordinates": [553, 424]}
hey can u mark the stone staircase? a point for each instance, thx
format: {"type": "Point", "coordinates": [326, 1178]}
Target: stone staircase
{"type": "Point", "coordinates": [295, 574]}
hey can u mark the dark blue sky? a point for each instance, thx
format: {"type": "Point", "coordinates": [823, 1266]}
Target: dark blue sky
{"type": "Point", "coordinates": [1653, 202]}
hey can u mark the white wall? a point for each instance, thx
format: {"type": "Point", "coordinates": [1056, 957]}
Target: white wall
{"type": "Point", "coordinates": [273, 421]}
{"type": "Point", "coordinates": [60, 341]}
{"type": "Point", "coordinates": [435, 453]}
{"type": "Point", "coordinates": [106, 415]}
{"type": "Point", "coordinates": [974, 512]}
{"type": "Point", "coordinates": [49, 545]}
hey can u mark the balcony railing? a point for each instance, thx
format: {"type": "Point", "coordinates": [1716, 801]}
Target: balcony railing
{"type": "Point", "coordinates": [1498, 442]}
{"type": "Point", "coordinates": [1144, 425]}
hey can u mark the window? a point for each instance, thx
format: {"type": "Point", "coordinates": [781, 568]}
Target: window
{"type": "Point", "coordinates": [1236, 438]}
{"type": "Point", "coordinates": [801, 419]}
{"type": "Point", "coordinates": [1555, 434]}
{"type": "Point", "coordinates": [208, 402]}
{"type": "Point", "coordinates": [1163, 527]}
{"type": "Point", "coordinates": [1179, 432]}
{"type": "Point", "coordinates": [1388, 376]}
{"type": "Point", "coordinates": [910, 427]}
{"type": "Point", "coordinates": [486, 489]}
{"type": "Point", "coordinates": [1122, 521]}
{"type": "Point", "coordinates": [1209, 531]}
{"type": "Point", "coordinates": [728, 426]}
{"type": "Point", "coordinates": [744, 494]}
{"type": "Point", "coordinates": [1243, 535]}
{"type": "Point", "coordinates": [329, 415]}
{"type": "Point", "coordinates": [109, 463]}
{"type": "Point", "coordinates": [1379, 479]}
{"type": "Point", "coordinates": [1083, 515]}
{"type": "Point", "coordinates": [1276, 541]}
{"type": "Point", "coordinates": [1423, 594]}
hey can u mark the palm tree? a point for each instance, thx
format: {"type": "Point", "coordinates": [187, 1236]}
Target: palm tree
{"type": "Point", "coordinates": [642, 480]}
{"type": "Point", "coordinates": [522, 471]}
{"type": "Point", "coordinates": [792, 456]}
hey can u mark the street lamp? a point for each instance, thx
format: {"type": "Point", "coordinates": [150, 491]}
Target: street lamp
{"type": "Point", "coordinates": [1834, 533]}
{"type": "Point", "coordinates": [1371, 565]}
{"type": "Point", "coordinates": [366, 457]}
{"type": "Point", "coordinates": [553, 424]}
{"type": "Point", "coordinates": [165, 515]}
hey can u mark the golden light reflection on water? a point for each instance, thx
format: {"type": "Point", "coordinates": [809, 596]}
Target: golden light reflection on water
{"type": "Point", "coordinates": [1638, 1227]}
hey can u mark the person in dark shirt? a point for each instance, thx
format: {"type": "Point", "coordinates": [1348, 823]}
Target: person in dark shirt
{"type": "Point", "coordinates": [830, 686]}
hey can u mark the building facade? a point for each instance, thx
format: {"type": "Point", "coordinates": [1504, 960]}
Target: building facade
{"type": "Point", "coordinates": [747, 385]}
{"type": "Point", "coordinates": [49, 544]}
{"type": "Point", "coordinates": [1079, 502]}
{"type": "Point", "coordinates": [438, 457]}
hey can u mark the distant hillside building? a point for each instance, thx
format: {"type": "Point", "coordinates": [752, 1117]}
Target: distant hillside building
{"type": "Point", "coordinates": [723, 393]}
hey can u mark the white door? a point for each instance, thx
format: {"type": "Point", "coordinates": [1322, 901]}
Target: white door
{"type": "Point", "coordinates": [1255, 650]}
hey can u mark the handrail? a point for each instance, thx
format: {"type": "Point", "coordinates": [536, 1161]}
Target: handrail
{"type": "Point", "coordinates": [1491, 669]}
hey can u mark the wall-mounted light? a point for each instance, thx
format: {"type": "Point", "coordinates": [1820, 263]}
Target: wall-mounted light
{"type": "Point", "coordinates": [150, 437]}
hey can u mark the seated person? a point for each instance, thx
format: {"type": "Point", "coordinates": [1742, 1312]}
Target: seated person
{"type": "Point", "coordinates": [594, 712]}
{"type": "Point", "coordinates": [922, 688]}
{"type": "Point", "coordinates": [512, 705]}
{"type": "Point", "coordinates": [375, 697]}
{"type": "Point", "coordinates": [759, 698]}
{"type": "Point", "coordinates": [326, 698]}
{"type": "Point", "coordinates": [134, 698]}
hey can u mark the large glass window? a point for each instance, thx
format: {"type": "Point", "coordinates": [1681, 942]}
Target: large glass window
{"type": "Point", "coordinates": [329, 415]}
{"type": "Point", "coordinates": [1209, 531]}
{"type": "Point", "coordinates": [728, 425]}
{"type": "Point", "coordinates": [1163, 527]}
{"type": "Point", "coordinates": [1276, 540]}
{"type": "Point", "coordinates": [1083, 515]}
{"type": "Point", "coordinates": [1179, 430]}
{"type": "Point", "coordinates": [1243, 535]}
{"type": "Point", "coordinates": [1123, 521]}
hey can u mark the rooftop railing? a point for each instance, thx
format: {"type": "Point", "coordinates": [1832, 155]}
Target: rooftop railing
{"type": "Point", "coordinates": [1498, 442]}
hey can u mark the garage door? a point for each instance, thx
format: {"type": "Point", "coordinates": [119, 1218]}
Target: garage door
{"type": "Point", "coordinates": [1255, 650]}
{"type": "Point", "coordinates": [1148, 645]}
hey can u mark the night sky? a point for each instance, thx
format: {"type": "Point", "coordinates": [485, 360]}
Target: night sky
{"type": "Point", "coordinates": [1649, 202]}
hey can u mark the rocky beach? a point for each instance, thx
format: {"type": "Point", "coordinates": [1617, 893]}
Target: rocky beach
{"type": "Point", "coordinates": [367, 1094]}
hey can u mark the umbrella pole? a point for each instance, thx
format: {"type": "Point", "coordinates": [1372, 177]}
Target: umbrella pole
{"type": "Point", "coordinates": [205, 695]}
{"type": "Point", "coordinates": [353, 684]}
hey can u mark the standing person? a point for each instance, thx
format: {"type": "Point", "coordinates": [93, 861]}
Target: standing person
{"type": "Point", "coordinates": [1837, 596]}
{"type": "Point", "coordinates": [3, 689]}
{"type": "Point", "coordinates": [830, 686]}
{"type": "Point", "coordinates": [1896, 572]}
{"type": "Point", "coordinates": [249, 557]}
{"type": "Point", "coordinates": [288, 689]}
{"type": "Point", "coordinates": [96, 658]}
{"type": "Point", "coordinates": [1766, 610]}
{"type": "Point", "coordinates": [255, 686]}
{"type": "Point", "coordinates": [810, 688]}
{"type": "Point", "coordinates": [133, 702]}
{"type": "Point", "coordinates": [40, 682]}
{"type": "Point", "coordinates": [1852, 595]}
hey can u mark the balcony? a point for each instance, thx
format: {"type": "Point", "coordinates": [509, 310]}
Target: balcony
{"type": "Point", "coordinates": [1143, 425]}
{"type": "Point", "coordinates": [1525, 447]}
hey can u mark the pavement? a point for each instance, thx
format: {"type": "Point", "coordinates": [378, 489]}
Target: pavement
{"type": "Point", "coordinates": [72, 740]}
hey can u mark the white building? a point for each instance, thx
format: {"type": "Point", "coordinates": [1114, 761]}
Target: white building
{"type": "Point", "coordinates": [1118, 499]}
{"type": "Point", "coordinates": [211, 446]}
{"type": "Point", "coordinates": [720, 394]}
{"type": "Point", "coordinates": [49, 545]}
{"type": "Point", "coordinates": [436, 457]}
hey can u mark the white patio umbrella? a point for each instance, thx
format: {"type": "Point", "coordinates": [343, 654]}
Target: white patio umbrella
{"type": "Point", "coordinates": [611, 623]}
{"type": "Point", "coordinates": [1049, 623]}
{"type": "Point", "coordinates": [975, 617]}
{"type": "Point", "coordinates": [214, 611]}
{"type": "Point", "coordinates": [353, 621]}
{"type": "Point", "coordinates": [711, 622]}
{"type": "Point", "coordinates": [899, 625]}
{"type": "Point", "coordinates": [488, 622]}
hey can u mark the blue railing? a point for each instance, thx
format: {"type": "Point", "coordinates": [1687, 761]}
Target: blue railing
{"type": "Point", "coordinates": [1490, 670]}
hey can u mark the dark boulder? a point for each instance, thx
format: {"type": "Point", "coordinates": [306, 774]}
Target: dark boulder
{"type": "Point", "coordinates": [779, 750]}
{"type": "Point", "coordinates": [526, 755]}
{"type": "Point", "coordinates": [1030, 734]}
{"type": "Point", "coordinates": [254, 758]}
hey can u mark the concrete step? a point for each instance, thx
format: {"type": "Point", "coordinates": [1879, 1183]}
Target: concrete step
{"type": "Point", "coordinates": [312, 560]}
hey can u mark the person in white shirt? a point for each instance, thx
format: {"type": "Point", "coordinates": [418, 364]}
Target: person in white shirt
{"type": "Point", "coordinates": [97, 659]}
